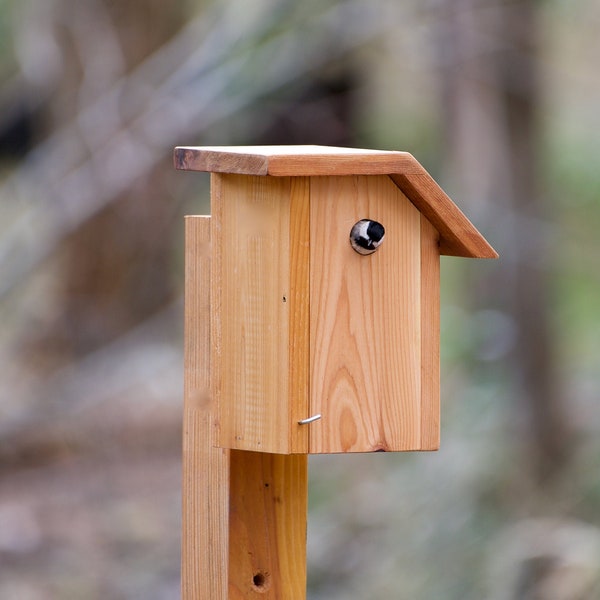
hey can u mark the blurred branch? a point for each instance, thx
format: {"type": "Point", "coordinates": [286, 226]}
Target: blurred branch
{"type": "Point", "coordinates": [216, 66]}
{"type": "Point", "coordinates": [166, 102]}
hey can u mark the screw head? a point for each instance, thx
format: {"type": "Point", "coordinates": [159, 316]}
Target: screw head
{"type": "Point", "coordinates": [366, 236]}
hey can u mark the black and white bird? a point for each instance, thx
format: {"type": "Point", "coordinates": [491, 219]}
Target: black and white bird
{"type": "Point", "coordinates": [366, 236]}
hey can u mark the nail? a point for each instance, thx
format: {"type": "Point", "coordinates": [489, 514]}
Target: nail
{"type": "Point", "coordinates": [309, 420]}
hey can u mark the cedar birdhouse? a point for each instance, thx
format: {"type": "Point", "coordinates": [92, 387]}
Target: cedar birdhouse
{"type": "Point", "coordinates": [324, 334]}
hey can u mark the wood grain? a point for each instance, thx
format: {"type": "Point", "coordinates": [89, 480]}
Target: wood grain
{"type": "Point", "coordinates": [205, 484]}
{"type": "Point", "coordinates": [268, 526]}
{"type": "Point", "coordinates": [261, 369]}
{"type": "Point", "coordinates": [430, 336]}
{"type": "Point", "coordinates": [292, 160]}
{"type": "Point", "coordinates": [365, 321]}
{"type": "Point", "coordinates": [299, 312]}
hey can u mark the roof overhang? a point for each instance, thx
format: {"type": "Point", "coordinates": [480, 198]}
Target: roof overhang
{"type": "Point", "coordinates": [458, 236]}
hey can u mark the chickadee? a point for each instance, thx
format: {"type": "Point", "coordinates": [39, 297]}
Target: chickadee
{"type": "Point", "coordinates": [366, 236]}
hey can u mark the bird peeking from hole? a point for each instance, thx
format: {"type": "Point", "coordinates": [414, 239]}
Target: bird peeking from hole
{"type": "Point", "coordinates": [366, 236]}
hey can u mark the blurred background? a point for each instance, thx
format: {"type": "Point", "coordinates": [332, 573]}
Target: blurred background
{"type": "Point", "coordinates": [498, 99]}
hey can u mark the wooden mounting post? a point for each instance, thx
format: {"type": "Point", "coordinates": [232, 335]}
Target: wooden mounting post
{"type": "Point", "coordinates": [243, 513]}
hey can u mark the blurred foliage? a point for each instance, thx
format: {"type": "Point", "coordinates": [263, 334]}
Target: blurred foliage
{"type": "Point", "coordinates": [92, 101]}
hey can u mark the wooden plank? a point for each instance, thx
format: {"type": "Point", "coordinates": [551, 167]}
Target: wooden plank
{"type": "Point", "coordinates": [362, 162]}
{"type": "Point", "coordinates": [251, 233]}
{"type": "Point", "coordinates": [292, 160]}
{"type": "Point", "coordinates": [268, 526]}
{"type": "Point", "coordinates": [430, 336]}
{"type": "Point", "coordinates": [205, 484]}
{"type": "Point", "coordinates": [299, 312]}
{"type": "Point", "coordinates": [458, 236]}
{"type": "Point", "coordinates": [221, 160]}
{"type": "Point", "coordinates": [365, 322]}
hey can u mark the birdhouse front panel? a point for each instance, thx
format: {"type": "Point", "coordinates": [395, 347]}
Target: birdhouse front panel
{"type": "Point", "coordinates": [365, 319]}
{"type": "Point", "coordinates": [325, 296]}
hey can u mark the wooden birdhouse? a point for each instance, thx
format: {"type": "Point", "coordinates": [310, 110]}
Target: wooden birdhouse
{"type": "Point", "coordinates": [311, 326]}
{"type": "Point", "coordinates": [325, 296]}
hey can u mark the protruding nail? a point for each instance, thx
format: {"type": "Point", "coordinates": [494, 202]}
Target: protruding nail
{"type": "Point", "coordinates": [309, 420]}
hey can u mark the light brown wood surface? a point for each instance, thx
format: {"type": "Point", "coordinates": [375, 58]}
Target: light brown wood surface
{"type": "Point", "coordinates": [365, 319]}
{"type": "Point", "coordinates": [294, 161]}
{"type": "Point", "coordinates": [430, 337]}
{"type": "Point", "coordinates": [458, 236]}
{"type": "Point", "coordinates": [299, 313]}
{"type": "Point", "coordinates": [205, 484]}
{"type": "Point", "coordinates": [268, 526]}
{"type": "Point", "coordinates": [252, 277]}
{"type": "Point", "coordinates": [260, 278]}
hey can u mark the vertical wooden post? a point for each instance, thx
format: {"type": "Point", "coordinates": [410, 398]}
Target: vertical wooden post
{"type": "Point", "coordinates": [243, 513]}
{"type": "Point", "coordinates": [205, 486]}
{"type": "Point", "coordinates": [267, 526]}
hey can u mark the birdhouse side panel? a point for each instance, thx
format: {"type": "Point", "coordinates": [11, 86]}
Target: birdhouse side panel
{"type": "Point", "coordinates": [251, 276]}
{"type": "Point", "coordinates": [365, 319]}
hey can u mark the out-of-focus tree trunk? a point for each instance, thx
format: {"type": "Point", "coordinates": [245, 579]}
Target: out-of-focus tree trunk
{"type": "Point", "coordinates": [491, 103]}
{"type": "Point", "coordinates": [115, 269]}
{"type": "Point", "coordinates": [322, 112]}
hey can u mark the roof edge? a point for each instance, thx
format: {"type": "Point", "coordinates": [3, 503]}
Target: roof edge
{"type": "Point", "coordinates": [190, 158]}
{"type": "Point", "coordinates": [458, 236]}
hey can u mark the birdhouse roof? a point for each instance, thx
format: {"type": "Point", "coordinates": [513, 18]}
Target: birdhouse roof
{"type": "Point", "coordinates": [458, 236]}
